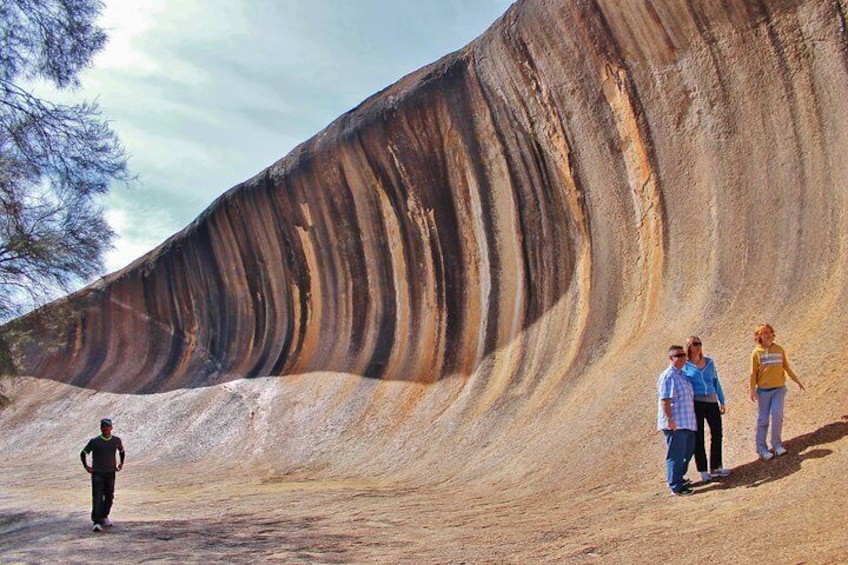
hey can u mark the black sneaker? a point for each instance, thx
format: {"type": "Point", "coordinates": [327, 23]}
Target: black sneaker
{"type": "Point", "coordinates": [685, 491]}
{"type": "Point", "coordinates": [97, 528]}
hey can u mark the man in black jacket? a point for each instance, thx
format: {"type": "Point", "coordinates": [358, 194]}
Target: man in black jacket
{"type": "Point", "coordinates": [102, 470]}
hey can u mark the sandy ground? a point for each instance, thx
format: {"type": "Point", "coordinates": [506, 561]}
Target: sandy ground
{"type": "Point", "coordinates": [788, 510]}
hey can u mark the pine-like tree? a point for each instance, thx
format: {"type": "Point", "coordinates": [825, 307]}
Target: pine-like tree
{"type": "Point", "coordinates": [56, 160]}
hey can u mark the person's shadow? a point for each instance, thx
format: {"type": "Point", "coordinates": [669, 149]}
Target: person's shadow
{"type": "Point", "coordinates": [758, 472]}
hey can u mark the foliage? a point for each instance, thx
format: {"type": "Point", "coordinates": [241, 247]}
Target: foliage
{"type": "Point", "coordinates": [56, 160]}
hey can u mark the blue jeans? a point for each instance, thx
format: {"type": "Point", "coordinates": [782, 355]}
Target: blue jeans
{"type": "Point", "coordinates": [681, 447]}
{"type": "Point", "coordinates": [770, 403]}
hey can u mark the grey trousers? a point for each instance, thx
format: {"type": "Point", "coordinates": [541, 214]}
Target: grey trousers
{"type": "Point", "coordinates": [770, 403]}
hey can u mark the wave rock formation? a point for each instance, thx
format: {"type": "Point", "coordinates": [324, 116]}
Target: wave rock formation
{"type": "Point", "coordinates": [500, 246]}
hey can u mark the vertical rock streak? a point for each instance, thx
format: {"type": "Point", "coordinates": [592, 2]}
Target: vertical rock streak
{"type": "Point", "coordinates": [647, 200]}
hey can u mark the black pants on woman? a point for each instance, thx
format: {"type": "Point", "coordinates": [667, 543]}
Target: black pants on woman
{"type": "Point", "coordinates": [708, 411]}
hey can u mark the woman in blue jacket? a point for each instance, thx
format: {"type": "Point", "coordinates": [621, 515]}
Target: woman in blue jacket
{"type": "Point", "coordinates": [709, 406]}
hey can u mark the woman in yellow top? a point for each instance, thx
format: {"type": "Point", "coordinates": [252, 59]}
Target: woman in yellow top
{"type": "Point", "coordinates": [769, 367]}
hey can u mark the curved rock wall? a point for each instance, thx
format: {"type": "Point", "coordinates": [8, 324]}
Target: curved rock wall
{"type": "Point", "coordinates": [579, 180]}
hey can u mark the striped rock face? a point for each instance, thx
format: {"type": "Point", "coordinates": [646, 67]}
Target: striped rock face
{"type": "Point", "coordinates": [584, 182]}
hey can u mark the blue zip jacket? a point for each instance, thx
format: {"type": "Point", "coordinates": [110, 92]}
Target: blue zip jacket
{"type": "Point", "coordinates": [704, 381]}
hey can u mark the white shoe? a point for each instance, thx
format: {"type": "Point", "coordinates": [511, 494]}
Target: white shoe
{"type": "Point", "coordinates": [722, 472]}
{"type": "Point", "coordinates": [705, 477]}
{"type": "Point", "coordinates": [107, 523]}
{"type": "Point", "coordinates": [780, 451]}
{"type": "Point", "coordinates": [766, 455]}
{"type": "Point", "coordinates": [97, 528]}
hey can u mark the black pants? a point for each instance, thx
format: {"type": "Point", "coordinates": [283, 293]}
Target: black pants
{"type": "Point", "coordinates": [102, 495]}
{"type": "Point", "coordinates": [708, 411]}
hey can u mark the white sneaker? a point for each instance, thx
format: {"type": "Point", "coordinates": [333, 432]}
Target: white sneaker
{"type": "Point", "coordinates": [97, 528]}
{"type": "Point", "coordinates": [722, 472]}
{"type": "Point", "coordinates": [766, 455]}
{"type": "Point", "coordinates": [780, 451]}
{"type": "Point", "coordinates": [107, 523]}
{"type": "Point", "coordinates": [705, 477]}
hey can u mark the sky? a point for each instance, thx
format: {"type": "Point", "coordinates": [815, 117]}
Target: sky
{"type": "Point", "coordinates": [205, 94]}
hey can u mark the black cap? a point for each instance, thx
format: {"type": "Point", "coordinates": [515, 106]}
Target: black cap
{"type": "Point", "coordinates": [105, 422]}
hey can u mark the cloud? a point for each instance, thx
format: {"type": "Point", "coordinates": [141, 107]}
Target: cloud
{"type": "Point", "coordinates": [135, 242]}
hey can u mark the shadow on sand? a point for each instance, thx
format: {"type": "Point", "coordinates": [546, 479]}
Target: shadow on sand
{"type": "Point", "coordinates": [39, 537]}
{"type": "Point", "coordinates": [801, 448]}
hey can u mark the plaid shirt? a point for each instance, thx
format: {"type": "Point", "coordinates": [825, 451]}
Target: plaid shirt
{"type": "Point", "coordinates": [673, 384]}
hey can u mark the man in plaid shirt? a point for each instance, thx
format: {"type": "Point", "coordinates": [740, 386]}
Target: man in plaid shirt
{"type": "Point", "coordinates": [676, 419]}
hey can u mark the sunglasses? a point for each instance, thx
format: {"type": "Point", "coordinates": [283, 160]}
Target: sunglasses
{"type": "Point", "coordinates": [696, 344]}
{"type": "Point", "coordinates": [677, 355]}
